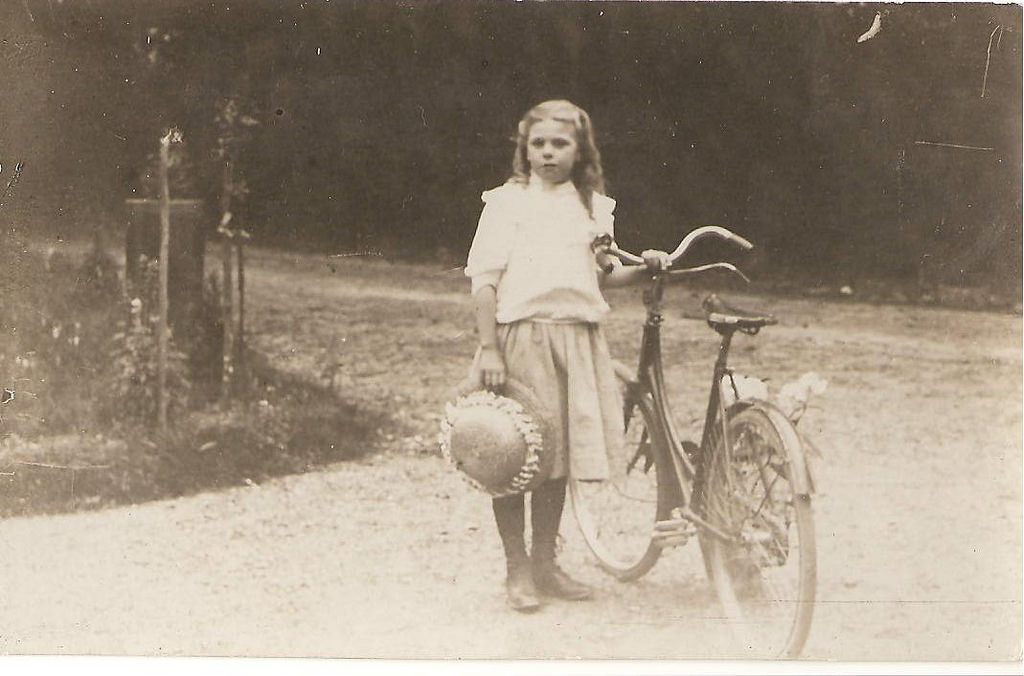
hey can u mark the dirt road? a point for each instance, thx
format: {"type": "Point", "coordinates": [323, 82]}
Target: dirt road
{"type": "Point", "coordinates": [918, 520]}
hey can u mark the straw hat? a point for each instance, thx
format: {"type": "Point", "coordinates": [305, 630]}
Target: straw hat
{"type": "Point", "coordinates": [500, 442]}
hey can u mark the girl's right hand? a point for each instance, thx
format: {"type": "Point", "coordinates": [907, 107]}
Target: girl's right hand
{"type": "Point", "coordinates": [656, 261]}
{"type": "Point", "coordinates": [492, 367]}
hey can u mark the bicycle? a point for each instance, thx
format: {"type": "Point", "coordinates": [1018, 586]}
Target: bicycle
{"type": "Point", "coordinates": [744, 491]}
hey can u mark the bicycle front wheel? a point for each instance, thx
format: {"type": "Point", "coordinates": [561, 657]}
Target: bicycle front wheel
{"type": "Point", "coordinates": [765, 577]}
{"type": "Point", "coordinates": [617, 516]}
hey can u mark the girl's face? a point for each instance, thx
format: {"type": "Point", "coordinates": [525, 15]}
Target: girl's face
{"type": "Point", "coordinates": [552, 150]}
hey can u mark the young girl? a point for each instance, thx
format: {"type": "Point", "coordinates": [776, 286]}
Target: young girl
{"type": "Point", "coordinates": [536, 284]}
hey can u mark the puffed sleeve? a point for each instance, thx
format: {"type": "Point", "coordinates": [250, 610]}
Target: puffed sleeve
{"type": "Point", "coordinates": [604, 223]}
{"type": "Point", "coordinates": [604, 217]}
{"type": "Point", "coordinates": [488, 256]}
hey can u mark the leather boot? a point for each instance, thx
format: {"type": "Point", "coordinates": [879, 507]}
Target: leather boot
{"type": "Point", "coordinates": [519, 587]}
{"type": "Point", "coordinates": [547, 504]}
{"type": "Point", "coordinates": [510, 517]}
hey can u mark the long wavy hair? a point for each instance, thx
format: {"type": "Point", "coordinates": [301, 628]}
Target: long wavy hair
{"type": "Point", "coordinates": [587, 175]}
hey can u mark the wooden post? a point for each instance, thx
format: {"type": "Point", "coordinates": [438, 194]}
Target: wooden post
{"type": "Point", "coordinates": [227, 287]}
{"type": "Point", "coordinates": [228, 316]}
{"type": "Point", "coordinates": [240, 342]}
{"type": "Point", "coordinates": [165, 245]}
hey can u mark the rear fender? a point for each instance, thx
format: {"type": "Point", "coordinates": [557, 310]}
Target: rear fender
{"type": "Point", "coordinates": [801, 477]}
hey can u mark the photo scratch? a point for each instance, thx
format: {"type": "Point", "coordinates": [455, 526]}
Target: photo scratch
{"type": "Point", "coordinates": [364, 252]}
{"type": "Point", "coordinates": [9, 189]}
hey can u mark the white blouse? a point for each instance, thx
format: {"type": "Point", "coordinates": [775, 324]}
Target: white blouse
{"type": "Point", "coordinates": [533, 245]}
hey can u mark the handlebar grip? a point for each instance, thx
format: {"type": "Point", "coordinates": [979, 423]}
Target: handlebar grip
{"type": "Point", "coordinates": [743, 242]}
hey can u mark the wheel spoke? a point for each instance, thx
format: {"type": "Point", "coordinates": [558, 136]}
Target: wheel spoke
{"type": "Point", "coordinates": [765, 579]}
{"type": "Point", "coordinates": [616, 517]}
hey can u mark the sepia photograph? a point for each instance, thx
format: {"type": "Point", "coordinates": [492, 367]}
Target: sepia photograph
{"type": "Point", "coordinates": [507, 330]}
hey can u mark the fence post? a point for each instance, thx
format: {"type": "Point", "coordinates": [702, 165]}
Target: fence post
{"type": "Point", "coordinates": [165, 245]}
{"type": "Point", "coordinates": [227, 287]}
{"type": "Point", "coordinates": [240, 342]}
{"type": "Point", "coordinates": [227, 316]}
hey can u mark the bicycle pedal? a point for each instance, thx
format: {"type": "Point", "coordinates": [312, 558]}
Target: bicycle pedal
{"type": "Point", "coordinates": [678, 521]}
{"type": "Point", "coordinates": [666, 541]}
{"type": "Point", "coordinates": [670, 525]}
{"type": "Point", "coordinates": [672, 532]}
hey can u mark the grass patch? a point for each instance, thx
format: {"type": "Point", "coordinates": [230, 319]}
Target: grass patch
{"type": "Point", "coordinates": [70, 439]}
{"type": "Point", "coordinates": [281, 426]}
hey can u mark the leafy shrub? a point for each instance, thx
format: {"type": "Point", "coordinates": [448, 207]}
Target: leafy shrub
{"type": "Point", "coordinates": [83, 360]}
{"type": "Point", "coordinates": [97, 278]}
{"type": "Point", "coordinates": [55, 325]}
{"type": "Point", "coordinates": [134, 376]}
{"type": "Point", "coordinates": [280, 424]}
{"type": "Point", "coordinates": [205, 343]}
{"type": "Point", "coordinates": [146, 284]}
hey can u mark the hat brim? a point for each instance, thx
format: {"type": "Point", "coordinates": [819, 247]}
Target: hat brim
{"type": "Point", "coordinates": [537, 413]}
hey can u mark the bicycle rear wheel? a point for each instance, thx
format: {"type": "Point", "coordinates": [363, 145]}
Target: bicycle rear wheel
{"type": "Point", "coordinates": [616, 517]}
{"type": "Point", "coordinates": [766, 578]}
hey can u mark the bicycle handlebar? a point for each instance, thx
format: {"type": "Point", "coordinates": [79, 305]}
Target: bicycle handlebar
{"type": "Point", "coordinates": [711, 266]}
{"type": "Point", "coordinates": [684, 245]}
{"type": "Point", "coordinates": [704, 231]}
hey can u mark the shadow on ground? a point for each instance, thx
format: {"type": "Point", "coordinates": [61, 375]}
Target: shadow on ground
{"type": "Point", "coordinates": [282, 424]}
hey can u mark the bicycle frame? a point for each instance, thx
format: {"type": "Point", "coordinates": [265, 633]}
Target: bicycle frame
{"type": "Point", "coordinates": [747, 534]}
{"type": "Point", "coordinates": [650, 379]}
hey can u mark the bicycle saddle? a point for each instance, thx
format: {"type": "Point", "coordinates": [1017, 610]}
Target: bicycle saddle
{"type": "Point", "coordinates": [722, 315]}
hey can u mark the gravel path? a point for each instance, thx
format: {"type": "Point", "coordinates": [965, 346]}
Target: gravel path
{"type": "Point", "coordinates": [919, 517]}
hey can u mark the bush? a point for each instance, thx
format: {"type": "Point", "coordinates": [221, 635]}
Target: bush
{"type": "Point", "coordinates": [279, 425]}
{"type": "Point", "coordinates": [205, 345]}
{"type": "Point", "coordinates": [55, 327]}
{"type": "Point", "coordinates": [134, 376]}
{"type": "Point", "coordinates": [83, 360]}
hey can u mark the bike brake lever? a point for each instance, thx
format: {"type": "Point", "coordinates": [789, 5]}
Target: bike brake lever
{"type": "Point", "coordinates": [710, 266]}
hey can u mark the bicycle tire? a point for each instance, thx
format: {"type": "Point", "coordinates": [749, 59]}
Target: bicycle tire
{"type": "Point", "coordinates": [750, 490]}
{"type": "Point", "coordinates": [616, 517]}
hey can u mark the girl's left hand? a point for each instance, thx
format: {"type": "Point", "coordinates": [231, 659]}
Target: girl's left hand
{"type": "Point", "coordinates": [492, 367]}
{"type": "Point", "coordinates": [655, 260]}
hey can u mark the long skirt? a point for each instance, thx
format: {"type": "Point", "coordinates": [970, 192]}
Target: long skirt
{"type": "Point", "coordinates": [570, 370]}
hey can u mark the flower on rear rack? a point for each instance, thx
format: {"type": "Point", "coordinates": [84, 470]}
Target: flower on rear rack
{"type": "Point", "coordinates": [793, 396]}
{"type": "Point", "coordinates": [738, 387]}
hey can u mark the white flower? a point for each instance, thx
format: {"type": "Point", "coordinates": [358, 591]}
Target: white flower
{"type": "Point", "coordinates": [793, 396]}
{"type": "Point", "coordinates": [747, 387]}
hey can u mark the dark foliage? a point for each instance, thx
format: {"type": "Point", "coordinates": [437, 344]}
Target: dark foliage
{"type": "Point", "coordinates": [382, 122]}
{"type": "Point", "coordinates": [81, 359]}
